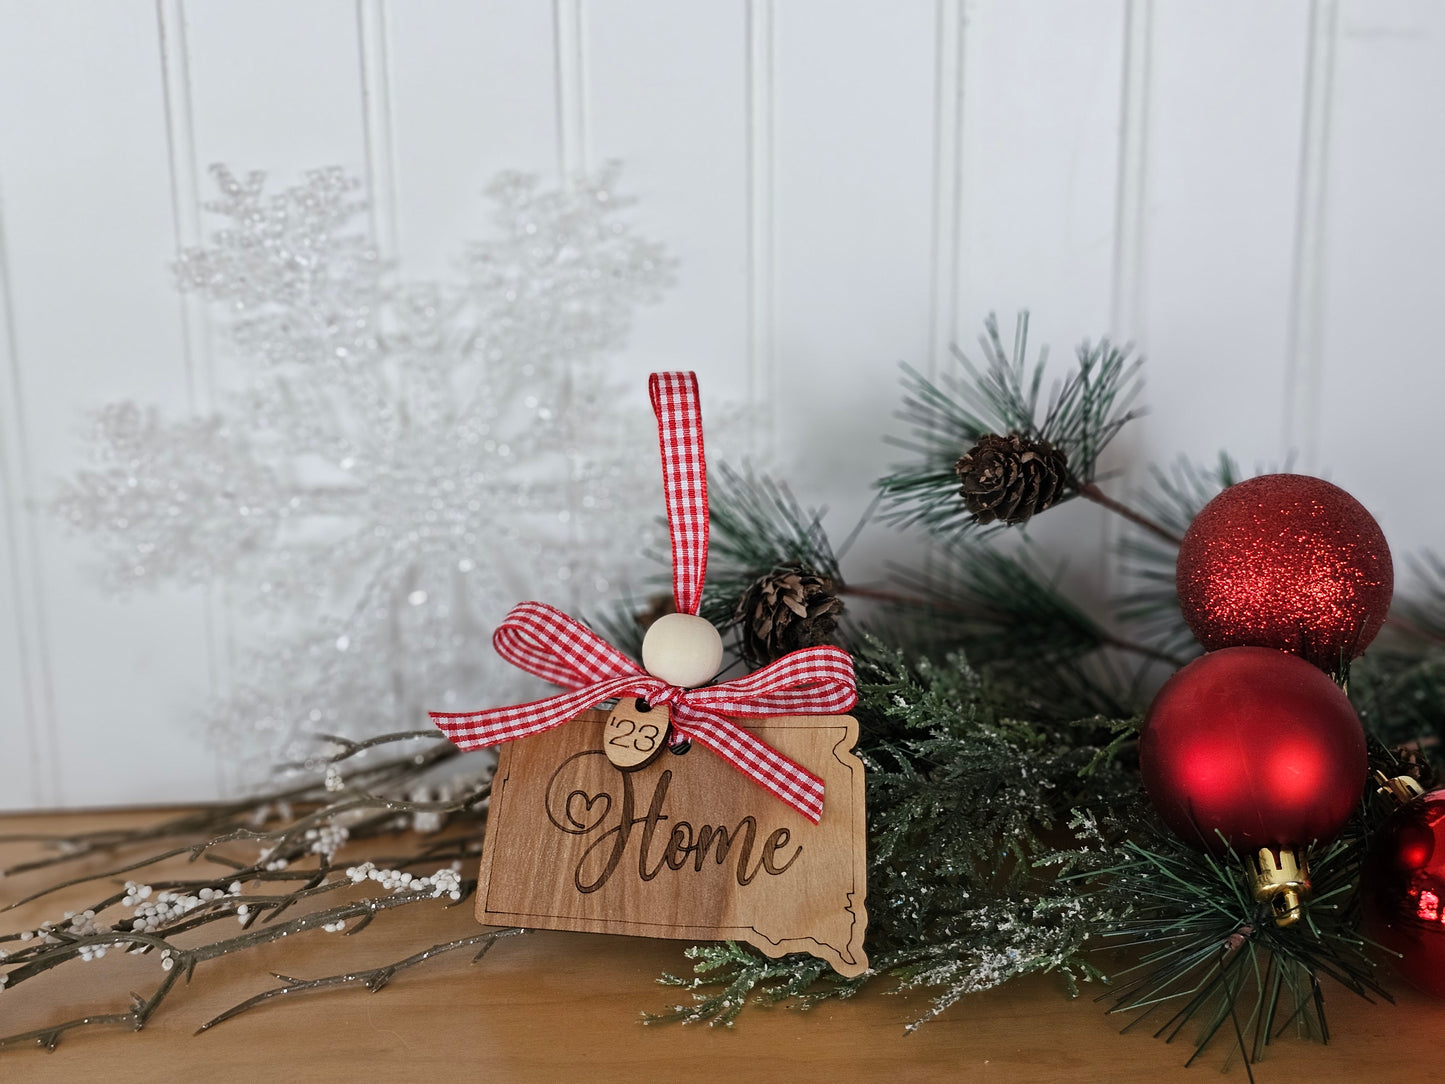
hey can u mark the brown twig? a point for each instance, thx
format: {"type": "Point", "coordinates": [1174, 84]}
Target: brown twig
{"type": "Point", "coordinates": [1090, 491]}
{"type": "Point", "coordinates": [226, 822]}
{"type": "Point", "coordinates": [1157, 654]}
{"type": "Point", "coordinates": [1415, 629]}
{"type": "Point", "coordinates": [186, 959]}
{"type": "Point", "coordinates": [374, 979]}
{"type": "Point", "coordinates": [211, 817]}
{"type": "Point", "coordinates": [140, 1012]}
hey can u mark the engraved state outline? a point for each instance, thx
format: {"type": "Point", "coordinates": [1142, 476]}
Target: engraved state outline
{"type": "Point", "coordinates": [851, 953]}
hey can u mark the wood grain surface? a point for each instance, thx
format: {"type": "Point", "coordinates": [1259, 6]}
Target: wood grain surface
{"type": "Point", "coordinates": [567, 1006]}
{"type": "Point", "coordinates": [687, 847]}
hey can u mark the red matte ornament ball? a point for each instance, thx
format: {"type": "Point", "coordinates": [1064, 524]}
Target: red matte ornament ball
{"type": "Point", "coordinates": [1402, 888]}
{"type": "Point", "coordinates": [1286, 561]}
{"type": "Point", "coordinates": [1255, 746]}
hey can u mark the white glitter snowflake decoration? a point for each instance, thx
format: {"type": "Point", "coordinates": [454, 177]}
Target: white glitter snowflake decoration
{"type": "Point", "coordinates": [400, 463]}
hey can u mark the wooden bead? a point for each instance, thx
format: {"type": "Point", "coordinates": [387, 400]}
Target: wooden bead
{"type": "Point", "coordinates": [682, 650]}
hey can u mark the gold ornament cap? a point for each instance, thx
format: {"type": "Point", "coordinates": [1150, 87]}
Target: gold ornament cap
{"type": "Point", "coordinates": [1281, 878]}
{"type": "Point", "coordinates": [1403, 788]}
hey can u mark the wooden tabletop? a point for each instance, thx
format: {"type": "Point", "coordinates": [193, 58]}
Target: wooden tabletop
{"type": "Point", "coordinates": [567, 1007]}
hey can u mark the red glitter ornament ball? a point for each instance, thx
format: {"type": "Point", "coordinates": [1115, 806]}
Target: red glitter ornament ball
{"type": "Point", "coordinates": [1402, 888]}
{"type": "Point", "coordinates": [1286, 561]}
{"type": "Point", "coordinates": [1253, 745]}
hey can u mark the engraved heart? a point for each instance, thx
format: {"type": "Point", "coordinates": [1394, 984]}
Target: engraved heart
{"type": "Point", "coordinates": [580, 809]}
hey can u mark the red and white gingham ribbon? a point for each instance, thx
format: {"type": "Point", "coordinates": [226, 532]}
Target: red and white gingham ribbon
{"type": "Point", "coordinates": [684, 482]}
{"type": "Point", "coordinates": [544, 641]}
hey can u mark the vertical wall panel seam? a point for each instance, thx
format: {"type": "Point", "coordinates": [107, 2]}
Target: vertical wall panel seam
{"type": "Point", "coordinates": [184, 173]}
{"type": "Point", "coordinates": [1131, 218]}
{"type": "Point", "coordinates": [374, 61]}
{"type": "Point", "coordinates": [584, 90]}
{"type": "Point", "coordinates": [947, 232]}
{"type": "Point", "coordinates": [196, 333]}
{"type": "Point", "coordinates": [761, 200]}
{"type": "Point", "coordinates": [1127, 308]}
{"type": "Point", "coordinates": [17, 489]}
{"type": "Point", "coordinates": [574, 160]}
{"type": "Point", "coordinates": [946, 246]}
{"type": "Point", "coordinates": [573, 153]}
{"type": "Point", "coordinates": [1304, 348]}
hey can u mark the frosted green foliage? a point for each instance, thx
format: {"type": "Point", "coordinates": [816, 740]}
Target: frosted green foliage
{"type": "Point", "coordinates": [729, 976]}
{"type": "Point", "coordinates": [966, 802]}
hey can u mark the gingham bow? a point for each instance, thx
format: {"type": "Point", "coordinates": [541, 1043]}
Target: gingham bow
{"type": "Point", "coordinates": [546, 642]}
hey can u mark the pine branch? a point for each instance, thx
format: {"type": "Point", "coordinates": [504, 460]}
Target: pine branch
{"type": "Point", "coordinates": [756, 523]}
{"type": "Point", "coordinates": [1085, 412]}
{"type": "Point", "coordinates": [1011, 618]}
{"type": "Point", "coordinates": [1090, 491]}
{"type": "Point", "coordinates": [1151, 605]}
{"type": "Point", "coordinates": [999, 605]}
{"type": "Point", "coordinates": [1215, 955]}
{"type": "Point", "coordinates": [1009, 938]}
{"type": "Point", "coordinates": [963, 892]}
{"type": "Point", "coordinates": [744, 975]}
{"type": "Point", "coordinates": [757, 527]}
{"type": "Point", "coordinates": [623, 626]}
{"type": "Point", "coordinates": [1399, 691]}
{"type": "Point", "coordinates": [1423, 615]}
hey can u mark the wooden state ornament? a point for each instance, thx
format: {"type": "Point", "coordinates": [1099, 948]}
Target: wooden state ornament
{"type": "Point", "coordinates": [726, 833]}
{"type": "Point", "coordinates": [683, 847]}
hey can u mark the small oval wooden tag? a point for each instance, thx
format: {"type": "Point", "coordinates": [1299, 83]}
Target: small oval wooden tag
{"type": "Point", "coordinates": [635, 734]}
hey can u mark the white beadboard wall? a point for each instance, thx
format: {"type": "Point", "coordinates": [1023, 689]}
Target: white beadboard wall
{"type": "Point", "coordinates": [1248, 190]}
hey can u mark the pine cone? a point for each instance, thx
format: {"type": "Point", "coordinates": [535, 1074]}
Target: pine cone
{"type": "Point", "coordinates": [788, 609]}
{"type": "Point", "coordinates": [1011, 478]}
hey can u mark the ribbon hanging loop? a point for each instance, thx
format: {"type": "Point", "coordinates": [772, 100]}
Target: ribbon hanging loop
{"type": "Point", "coordinates": [677, 405]}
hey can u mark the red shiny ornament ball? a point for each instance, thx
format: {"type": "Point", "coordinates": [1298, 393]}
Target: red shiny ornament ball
{"type": "Point", "coordinates": [1402, 888]}
{"type": "Point", "coordinates": [1286, 561]}
{"type": "Point", "coordinates": [1255, 745]}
